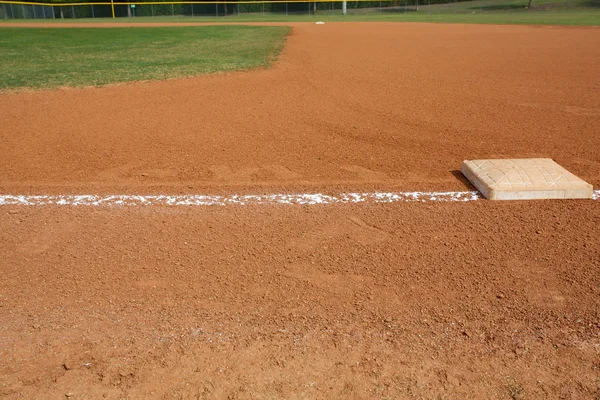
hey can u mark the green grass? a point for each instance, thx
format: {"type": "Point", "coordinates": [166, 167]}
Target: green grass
{"type": "Point", "coordinates": [54, 57]}
{"type": "Point", "coordinates": [575, 17]}
{"type": "Point", "coordinates": [571, 17]}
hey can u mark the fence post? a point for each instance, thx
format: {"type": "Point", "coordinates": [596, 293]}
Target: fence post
{"type": "Point", "coordinates": [192, 10]}
{"type": "Point", "coordinates": [34, 15]}
{"type": "Point", "coordinates": [152, 9]}
{"type": "Point", "coordinates": [428, 7]}
{"type": "Point", "coordinates": [53, 15]}
{"type": "Point", "coordinates": [112, 7]}
{"type": "Point", "coordinates": [286, 10]}
{"type": "Point", "coordinates": [93, 16]}
{"type": "Point", "coordinates": [405, 5]}
{"type": "Point", "coordinates": [12, 11]}
{"type": "Point", "coordinates": [172, 11]}
{"type": "Point", "coordinates": [23, 10]}
{"type": "Point", "coordinates": [344, 8]}
{"type": "Point", "coordinates": [217, 9]}
{"type": "Point", "coordinates": [263, 9]}
{"type": "Point", "coordinates": [238, 9]}
{"type": "Point", "coordinates": [308, 7]}
{"type": "Point", "coordinates": [73, 12]}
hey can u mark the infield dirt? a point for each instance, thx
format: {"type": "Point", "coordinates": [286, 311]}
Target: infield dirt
{"type": "Point", "coordinates": [443, 300]}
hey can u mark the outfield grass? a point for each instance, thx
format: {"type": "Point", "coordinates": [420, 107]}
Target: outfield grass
{"type": "Point", "coordinates": [50, 57]}
{"type": "Point", "coordinates": [574, 17]}
{"type": "Point", "coordinates": [517, 17]}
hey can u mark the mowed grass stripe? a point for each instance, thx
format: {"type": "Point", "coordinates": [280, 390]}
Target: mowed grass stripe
{"type": "Point", "coordinates": [54, 57]}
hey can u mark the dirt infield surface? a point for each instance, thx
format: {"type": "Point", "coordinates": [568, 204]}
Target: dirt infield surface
{"type": "Point", "coordinates": [405, 300]}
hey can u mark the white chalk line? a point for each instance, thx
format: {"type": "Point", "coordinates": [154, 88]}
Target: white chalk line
{"type": "Point", "coordinates": [217, 200]}
{"type": "Point", "coordinates": [257, 199]}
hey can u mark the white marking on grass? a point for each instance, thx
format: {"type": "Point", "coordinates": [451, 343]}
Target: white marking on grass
{"type": "Point", "coordinates": [195, 200]}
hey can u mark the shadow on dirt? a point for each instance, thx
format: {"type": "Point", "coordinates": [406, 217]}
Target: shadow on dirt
{"type": "Point", "coordinates": [465, 182]}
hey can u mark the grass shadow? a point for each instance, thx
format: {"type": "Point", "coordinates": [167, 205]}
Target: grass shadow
{"type": "Point", "coordinates": [500, 7]}
{"type": "Point", "coordinates": [590, 3]}
{"type": "Point", "coordinates": [399, 10]}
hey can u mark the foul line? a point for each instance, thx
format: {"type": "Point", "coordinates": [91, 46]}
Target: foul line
{"type": "Point", "coordinates": [259, 199]}
{"type": "Point", "coordinates": [216, 200]}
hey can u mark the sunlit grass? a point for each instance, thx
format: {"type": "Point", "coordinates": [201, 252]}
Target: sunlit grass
{"type": "Point", "coordinates": [50, 58]}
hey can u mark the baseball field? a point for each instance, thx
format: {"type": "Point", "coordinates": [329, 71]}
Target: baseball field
{"type": "Point", "coordinates": [282, 216]}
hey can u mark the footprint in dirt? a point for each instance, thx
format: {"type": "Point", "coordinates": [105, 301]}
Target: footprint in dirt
{"type": "Point", "coordinates": [47, 238]}
{"type": "Point", "coordinates": [35, 247]}
{"type": "Point", "coordinates": [351, 228]}
{"type": "Point", "coordinates": [225, 173]}
{"type": "Point", "coordinates": [365, 173]}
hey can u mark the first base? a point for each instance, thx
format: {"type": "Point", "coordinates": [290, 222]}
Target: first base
{"type": "Point", "coordinates": [525, 179]}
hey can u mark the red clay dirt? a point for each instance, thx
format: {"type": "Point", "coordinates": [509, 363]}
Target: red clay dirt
{"type": "Point", "coordinates": [455, 300]}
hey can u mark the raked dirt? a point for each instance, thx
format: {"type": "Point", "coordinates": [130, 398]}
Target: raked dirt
{"type": "Point", "coordinates": [362, 300]}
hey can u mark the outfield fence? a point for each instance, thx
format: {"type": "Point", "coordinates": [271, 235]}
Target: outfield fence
{"type": "Point", "coordinates": [260, 8]}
